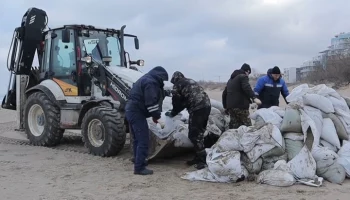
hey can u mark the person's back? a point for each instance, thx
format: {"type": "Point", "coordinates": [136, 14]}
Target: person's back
{"type": "Point", "coordinates": [144, 101]}
{"type": "Point", "coordinates": [193, 95]}
{"type": "Point", "coordinates": [146, 90]}
{"type": "Point", "coordinates": [237, 97]}
{"type": "Point", "coordinates": [239, 92]}
{"type": "Point", "coordinates": [188, 94]}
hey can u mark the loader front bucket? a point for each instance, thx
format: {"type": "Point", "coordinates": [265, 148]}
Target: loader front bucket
{"type": "Point", "coordinates": [162, 148]}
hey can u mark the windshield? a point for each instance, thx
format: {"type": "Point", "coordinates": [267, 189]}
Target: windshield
{"type": "Point", "coordinates": [109, 46]}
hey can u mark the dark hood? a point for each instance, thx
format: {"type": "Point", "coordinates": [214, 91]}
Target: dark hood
{"type": "Point", "coordinates": [159, 73]}
{"type": "Point", "coordinates": [236, 73]}
{"type": "Point", "coordinates": [176, 77]}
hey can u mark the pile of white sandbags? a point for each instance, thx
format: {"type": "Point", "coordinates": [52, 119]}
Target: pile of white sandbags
{"type": "Point", "coordinates": [305, 142]}
{"type": "Point", "coordinates": [176, 129]}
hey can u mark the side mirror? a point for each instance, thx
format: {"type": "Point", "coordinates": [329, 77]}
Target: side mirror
{"type": "Point", "coordinates": [65, 36]}
{"type": "Point", "coordinates": [136, 41]}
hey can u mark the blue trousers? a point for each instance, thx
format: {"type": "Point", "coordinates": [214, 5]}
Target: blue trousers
{"type": "Point", "coordinates": [139, 129]}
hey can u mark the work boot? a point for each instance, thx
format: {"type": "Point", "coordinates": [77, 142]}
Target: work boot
{"type": "Point", "coordinates": [144, 172]}
{"type": "Point", "coordinates": [193, 161]}
{"type": "Point", "coordinates": [201, 163]}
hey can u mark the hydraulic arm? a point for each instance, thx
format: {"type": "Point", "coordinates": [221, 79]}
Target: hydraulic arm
{"type": "Point", "coordinates": [26, 40]}
{"type": "Point", "coordinates": [109, 83]}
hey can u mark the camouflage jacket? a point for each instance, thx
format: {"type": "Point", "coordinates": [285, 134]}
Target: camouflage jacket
{"type": "Point", "coordinates": [188, 94]}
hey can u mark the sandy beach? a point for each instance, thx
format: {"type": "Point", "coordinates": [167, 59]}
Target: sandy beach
{"type": "Point", "coordinates": [28, 172]}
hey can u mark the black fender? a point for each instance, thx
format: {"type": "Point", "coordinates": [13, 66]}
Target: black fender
{"type": "Point", "coordinates": [45, 90]}
{"type": "Point", "coordinates": [87, 105]}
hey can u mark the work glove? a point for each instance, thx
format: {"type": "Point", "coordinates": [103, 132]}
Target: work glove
{"type": "Point", "coordinates": [155, 120]}
{"type": "Point", "coordinates": [253, 106]}
{"type": "Point", "coordinates": [168, 114]}
{"type": "Point", "coordinates": [257, 101]}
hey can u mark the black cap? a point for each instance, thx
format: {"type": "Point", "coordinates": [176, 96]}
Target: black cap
{"type": "Point", "coordinates": [275, 70]}
{"type": "Point", "coordinates": [245, 67]}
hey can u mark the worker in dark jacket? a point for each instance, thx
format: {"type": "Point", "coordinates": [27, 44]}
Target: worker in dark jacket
{"type": "Point", "coordinates": [145, 100]}
{"type": "Point", "coordinates": [190, 95]}
{"type": "Point", "coordinates": [237, 97]}
{"type": "Point", "coordinates": [269, 88]}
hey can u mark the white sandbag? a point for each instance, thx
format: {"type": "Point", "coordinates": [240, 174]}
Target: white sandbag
{"type": "Point", "coordinates": [339, 103]}
{"type": "Point", "coordinates": [293, 147]}
{"type": "Point", "coordinates": [335, 173]}
{"type": "Point", "coordinates": [278, 110]}
{"type": "Point", "coordinates": [259, 150]}
{"type": "Point", "coordinates": [291, 121]}
{"type": "Point", "coordinates": [270, 137]}
{"type": "Point", "coordinates": [296, 95]}
{"type": "Point", "coordinates": [259, 122]}
{"type": "Point", "coordinates": [303, 165]}
{"type": "Point", "coordinates": [199, 175]}
{"type": "Point", "coordinates": [324, 90]}
{"type": "Point", "coordinates": [167, 104]}
{"type": "Point", "coordinates": [165, 127]}
{"type": "Point", "coordinates": [269, 116]}
{"type": "Point", "coordinates": [212, 129]}
{"type": "Point", "coordinates": [344, 156]}
{"type": "Point", "coordinates": [317, 182]}
{"type": "Point", "coordinates": [269, 163]}
{"type": "Point", "coordinates": [294, 136]}
{"type": "Point", "coordinates": [221, 121]}
{"type": "Point", "coordinates": [283, 166]}
{"type": "Point", "coordinates": [323, 153]}
{"type": "Point", "coordinates": [308, 124]}
{"type": "Point", "coordinates": [339, 126]}
{"type": "Point", "coordinates": [185, 116]}
{"type": "Point", "coordinates": [344, 117]}
{"type": "Point", "coordinates": [215, 111]}
{"type": "Point", "coordinates": [329, 133]}
{"type": "Point", "coordinates": [319, 102]}
{"type": "Point", "coordinates": [241, 139]}
{"type": "Point", "coordinates": [327, 165]}
{"type": "Point", "coordinates": [276, 178]}
{"type": "Point", "coordinates": [252, 167]}
{"type": "Point", "coordinates": [276, 151]}
{"type": "Point", "coordinates": [225, 166]}
{"type": "Point", "coordinates": [347, 100]}
{"type": "Point", "coordinates": [316, 116]}
{"type": "Point", "coordinates": [180, 137]}
{"type": "Point", "coordinates": [324, 143]}
{"type": "Point", "coordinates": [217, 104]}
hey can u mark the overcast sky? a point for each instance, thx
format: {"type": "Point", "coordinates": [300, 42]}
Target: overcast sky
{"type": "Point", "coordinates": [204, 39]}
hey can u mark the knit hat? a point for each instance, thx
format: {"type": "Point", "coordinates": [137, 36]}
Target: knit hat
{"type": "Point", "coordinates": [245, 67]}
{"type": "Point", "coordinates": [276, 70]}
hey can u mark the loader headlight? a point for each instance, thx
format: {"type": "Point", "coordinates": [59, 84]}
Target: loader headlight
{"type": "Point", "coordinates": [140, 62]}
{"type": "Point", "coordinates": [87, 59]}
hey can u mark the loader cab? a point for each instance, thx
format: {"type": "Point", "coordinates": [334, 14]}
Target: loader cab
{"type": "Point", "coordinates": [64, 48]}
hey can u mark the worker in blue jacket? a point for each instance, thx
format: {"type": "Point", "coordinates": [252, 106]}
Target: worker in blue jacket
{"type": "Point", "coordinates": [268, 88]}
{"type": "Point", "coordinates": [145, 100]}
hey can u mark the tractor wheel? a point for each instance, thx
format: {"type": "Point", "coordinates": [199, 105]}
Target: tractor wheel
{"type": "Point", "coordinates": [102, 131]}
{"type": "Point", "coordinates": [42, 120]}
{"type": "Point", "coordinates": [126, 125]}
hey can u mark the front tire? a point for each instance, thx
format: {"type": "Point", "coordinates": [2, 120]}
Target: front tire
{"type": "Point", "coordinates": [103, 131]}
{"type": "Point", "coordinates": [42, 121]}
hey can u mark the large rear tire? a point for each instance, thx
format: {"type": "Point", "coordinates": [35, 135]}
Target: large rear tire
{"type": "Point", "coordinates": [42, 120]}
{"type": "Point", "coordinates": [103, 131]}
